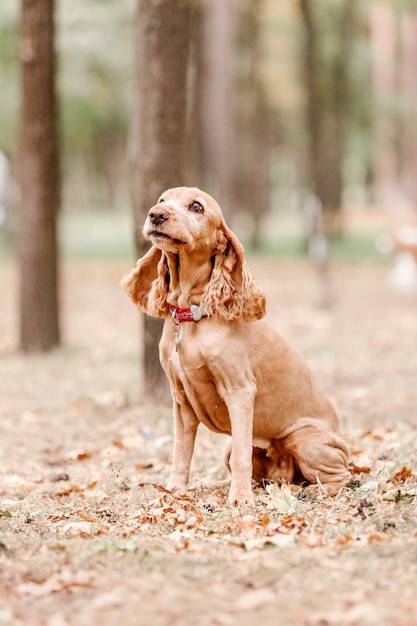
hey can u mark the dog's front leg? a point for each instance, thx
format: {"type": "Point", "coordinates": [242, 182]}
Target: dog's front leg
{"type": "Point", "coordinates": [241, 419]}
{"type": "Point", "coordinates": [185, 429]}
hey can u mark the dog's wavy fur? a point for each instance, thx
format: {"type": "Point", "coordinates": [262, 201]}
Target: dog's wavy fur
{"type": "Point", "coordinates": [231, 293]}
{"type": "Point", "coordinates": [230, 370]}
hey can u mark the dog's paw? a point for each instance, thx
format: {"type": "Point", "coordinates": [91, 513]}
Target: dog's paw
{"type": "Point", "coordinates": [176, 486]}
{"type": "Point", "coordinates": [240, 497]}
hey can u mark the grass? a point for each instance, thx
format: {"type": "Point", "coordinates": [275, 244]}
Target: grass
{"type": "Point", "coordinates": [103, 235]}
{"type": "Point", "coordinates": [92, 235]}
{"type": "Point", "coordinates": [355, 247]}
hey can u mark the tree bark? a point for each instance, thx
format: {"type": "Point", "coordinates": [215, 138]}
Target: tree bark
{"type": "Point", "coordinates": [327, 106]}
{"type": "Point", "coordinates": [254, 132]}
{"type": "Point", "coordinates": [158, 134]}
{"type": "Point", "coordinates": [216, 82]}
{"type": "Point", "coordinates": [39, 180]}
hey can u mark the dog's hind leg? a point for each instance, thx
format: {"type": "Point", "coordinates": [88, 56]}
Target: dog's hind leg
{"type": "Point", "coordinates": [321, 455]}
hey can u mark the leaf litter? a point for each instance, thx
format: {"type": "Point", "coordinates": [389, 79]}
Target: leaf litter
{"type": "Point", "coordinates": [100, 535]}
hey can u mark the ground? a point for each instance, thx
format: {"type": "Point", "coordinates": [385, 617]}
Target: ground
{"type": "Point", "coordinates": [88, 532]}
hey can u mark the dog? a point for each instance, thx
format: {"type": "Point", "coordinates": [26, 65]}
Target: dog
{"type": "Point", "coordinates": [227, 368]}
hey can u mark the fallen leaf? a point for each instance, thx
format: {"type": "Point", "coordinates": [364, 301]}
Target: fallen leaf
{"type": "Point", "coordinates": [78, 528]}
{"type": "Point", "coordinates": [248, 525]}
{"type": "Point", "coordinates": [377, 537]}
{"type": "Point", "coordinates": [356, 469]}
{"type": "Point", "coordinates": [179, 540]}
{"type": "Point", "coordinates": [79, 455]}
{"type": "Point", "coordinates": [86, 516]}
{"type": "Point", "coordinates": [193, 522]}
{"type": "Point", "coordinates": [281, 499]}
{"type": "Point", "coordinates": [156, 486]}
{"type": "Point", "coordinates": [401, 476]}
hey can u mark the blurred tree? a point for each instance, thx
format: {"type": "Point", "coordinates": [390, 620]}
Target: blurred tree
{"type": "Point", "coordinates": [405, 88]}
{"type": "Point", "coordinates": [394, 43]}
{"type": "Point", "coordinates": [195, 152]}
{"type": "Point", "coordinates": [216, 85]}
{"type": "Point", "coordinates": [9, 93]}
{"type": "Point", "coordinates": [95, 43]}
{"type": "Point", "coordinates": [360, 133]}
{"type": "Point", "coordinates": [158, 134]}
{"type": "Point", "coordinates": [254, 127]}
{"type": "Point", "coordinates": [328, 93]}
{"type": "Point", "coordinates": [39, 180]}
{"type": "Point", "coordinates": [229, 129]}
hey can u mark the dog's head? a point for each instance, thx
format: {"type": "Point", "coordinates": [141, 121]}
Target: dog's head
{"type": "Point", "coordinates": [187, 221]}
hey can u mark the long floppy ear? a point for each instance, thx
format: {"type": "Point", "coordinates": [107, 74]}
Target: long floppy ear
{"type": "Point", "coordinates": [232, 294]}
{"type": "Point", "coordinates": [147, 285]}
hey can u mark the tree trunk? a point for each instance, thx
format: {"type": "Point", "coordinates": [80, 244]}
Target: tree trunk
{"type": "Point", "coordinates": [158, 136]}
{"type": "Point", "coordinates": [216, 82]}
{"type": "Point", "coordinates": [327, 111]}
{"type": "Point", "coordinates": [39, 180]}
{"type": "Point", "coordinates": [254, 133]}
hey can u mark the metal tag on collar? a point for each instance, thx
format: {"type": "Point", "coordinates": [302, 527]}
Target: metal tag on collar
{"type": "Point", "coordinates": [174, 315]}
{"type": "Point", "coordinates": [177, 339]}
{"type": "Point", "coordinates": [196, 312]}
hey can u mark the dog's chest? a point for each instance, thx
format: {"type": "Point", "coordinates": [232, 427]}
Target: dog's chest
{"type": "Point", "coordinates": [187, 368]}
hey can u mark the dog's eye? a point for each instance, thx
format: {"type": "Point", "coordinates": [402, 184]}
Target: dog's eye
{"type": "Point", "coordinates": [161, 200]}
{"type": "Point", "coordinates": [197, 207]}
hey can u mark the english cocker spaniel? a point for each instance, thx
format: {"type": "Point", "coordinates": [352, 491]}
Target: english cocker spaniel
{"type": "Point", "coordinates": [227, 368]}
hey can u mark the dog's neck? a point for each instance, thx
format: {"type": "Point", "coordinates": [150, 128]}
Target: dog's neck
{"type": "Point", "coordinates": [189, 274]}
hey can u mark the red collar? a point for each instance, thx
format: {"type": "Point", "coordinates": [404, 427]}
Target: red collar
{"type": "Point", "coordinates": [192, 314]}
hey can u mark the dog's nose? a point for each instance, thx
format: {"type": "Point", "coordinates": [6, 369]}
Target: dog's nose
{"type": "Point", "coordinates": [157, 216]}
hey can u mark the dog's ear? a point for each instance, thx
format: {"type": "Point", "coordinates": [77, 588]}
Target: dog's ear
{"type": "Point", "coordinates": [232, 294]}
{"type": "Point", "coordinates": [147, 285]}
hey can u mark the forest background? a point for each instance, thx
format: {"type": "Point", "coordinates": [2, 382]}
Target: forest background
{"type": "Point", "coordinates": [302, 122]}
{"type": "Point", "coordinates": [351, 65]}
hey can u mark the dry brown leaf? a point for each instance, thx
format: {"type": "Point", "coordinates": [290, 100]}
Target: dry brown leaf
{"type": "Point", "coordinates": [193, 522]}
{"type": "Point", "coordinates": [402, 475]}
{"type": "Point", "coordinates": [156, 486]}
{"type": "Point", "coordinates": [68, 491]}
{"type": "Point", "coordinates": [360, 470]}
{"type": "Point", "coordinates": [86, 516]}
{"type": "Point", "coordinates": [343, 540]}
{"type": "Point", "coordinates": [179, 540]}
{"type": "Point", "coordinates": [377, 537]}
{"type": "Point", "coordinates": [248, 525]}
{"type": "Point", "coordinates": [79, 455]}
{"type": "Point", "coordinates": [264, 521]}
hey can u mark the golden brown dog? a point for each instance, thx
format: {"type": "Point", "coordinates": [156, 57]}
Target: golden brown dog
{"type": "Point", "coordinates": [227, 368]}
